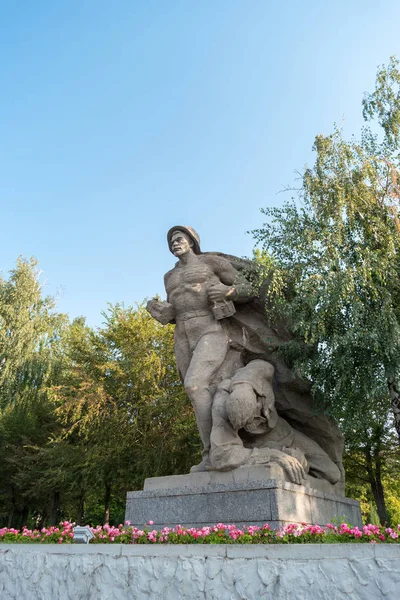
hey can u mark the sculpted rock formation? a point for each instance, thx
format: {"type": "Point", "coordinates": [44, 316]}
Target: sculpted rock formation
{"type": "Point", "coordinates": [250, 407]}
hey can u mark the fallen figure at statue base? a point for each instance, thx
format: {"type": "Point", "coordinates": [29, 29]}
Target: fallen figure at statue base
{"type": "Point", "coordinates": [247, 430]}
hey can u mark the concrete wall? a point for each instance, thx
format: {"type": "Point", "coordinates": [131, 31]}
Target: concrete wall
{"type": "Point", "coordinates": [108, 572]}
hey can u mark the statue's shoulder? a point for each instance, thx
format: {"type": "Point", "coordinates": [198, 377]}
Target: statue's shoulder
{"type": "Point", "coordinates": [240, 264]}
{"type": "Point", "coordinates": [168, 275]}
{"type": "Point", "coordinates": [216, 260]}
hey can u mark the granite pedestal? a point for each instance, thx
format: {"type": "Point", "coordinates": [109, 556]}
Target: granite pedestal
{"type": "Point", "coordinates": [244, 496]}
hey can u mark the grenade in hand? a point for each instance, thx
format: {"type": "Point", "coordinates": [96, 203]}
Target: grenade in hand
{"type": "Point", "coordinates": [223, 309]}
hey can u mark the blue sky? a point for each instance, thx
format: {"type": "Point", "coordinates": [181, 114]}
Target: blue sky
{"type": "Point", "coordinates": [119, 120]}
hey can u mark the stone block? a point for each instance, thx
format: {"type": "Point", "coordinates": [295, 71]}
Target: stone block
{"type": "Point", "coordinates": [246, 496]}
{"type": "Point", "coordinates": [291, 505]}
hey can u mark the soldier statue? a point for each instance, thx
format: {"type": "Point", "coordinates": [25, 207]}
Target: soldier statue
{"type": "Point", "coordinates": [250, 407]}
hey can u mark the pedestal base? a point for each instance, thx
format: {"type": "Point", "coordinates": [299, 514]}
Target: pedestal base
{"type": "Point", "coordinates": [244, 496]}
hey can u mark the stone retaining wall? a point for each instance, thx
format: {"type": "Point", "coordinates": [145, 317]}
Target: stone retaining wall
{"type": "Point", "coordinates": [179, 572]}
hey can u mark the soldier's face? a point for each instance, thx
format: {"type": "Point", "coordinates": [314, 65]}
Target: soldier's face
{"type": "Point", "coordinates": [180, 243]}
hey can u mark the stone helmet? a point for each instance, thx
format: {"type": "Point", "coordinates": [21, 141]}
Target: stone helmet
{"type": "Point", "coordinates": [194, 236]}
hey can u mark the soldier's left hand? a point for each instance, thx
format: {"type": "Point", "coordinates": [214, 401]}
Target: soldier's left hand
{"type": "Point", "coordinates": [218, 292]}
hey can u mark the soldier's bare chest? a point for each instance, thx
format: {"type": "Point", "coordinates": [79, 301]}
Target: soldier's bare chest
{"type": "Point", "coordinates": [189, 275]}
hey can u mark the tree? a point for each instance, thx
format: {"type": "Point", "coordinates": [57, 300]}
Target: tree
{"type": "Point", "coordinates": [30, 331]}
{"type": "Point", "coordinates": [337, 257]}
{"type": "Point", "coordinates": [29, 326]}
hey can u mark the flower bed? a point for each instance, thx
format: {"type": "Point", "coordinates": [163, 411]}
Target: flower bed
{"type": "Point", "coordinates": [217, 534]}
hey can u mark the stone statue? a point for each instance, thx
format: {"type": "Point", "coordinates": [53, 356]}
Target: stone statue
{"type": "Point", "coordinates": [250, 407]}
{"type": "Point", "coordinates": [248, 430]}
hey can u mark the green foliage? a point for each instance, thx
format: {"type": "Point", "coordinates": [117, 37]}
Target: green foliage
{"type": "Point", "coordinates": [29, 328]}
{"type": "Point", "coordinates": [384, 104]}
{"type": "Point", "coordinates": [30, 331]}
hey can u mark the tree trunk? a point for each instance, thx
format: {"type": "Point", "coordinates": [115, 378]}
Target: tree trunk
{"type": "Point", "coordinates": [55, 508]}
{"type": "Point", "coordinates": [383, 513]}
{"type": "Point", "coordinates": [24, 516]}
{"type": "Point", "coordinates": [107, 499]}
{"type": "Point", "coordinates": [375, 480]}
{"type": "Point", "coordinates": [394, 393]}
{"type": "Point", "coordinates": [10, 518]}
{"type": "Point", "coordinates": [43, 517]}
{"type": "Point", "coordinates": [81, 509]}
{"type": "Point", "coordinates": [13, 505]}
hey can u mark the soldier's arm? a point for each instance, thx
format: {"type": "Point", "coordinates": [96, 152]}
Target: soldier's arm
{"type": "Point", "coordinates": [239, 289]}
{"type": "Point", "coordinates": [163, 312]}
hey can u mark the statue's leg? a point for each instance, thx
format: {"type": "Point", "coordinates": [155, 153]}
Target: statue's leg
{"type": "Point", "coordinates": [183, 353]}
{"type": "Point", "coordinates": [207, 358]}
